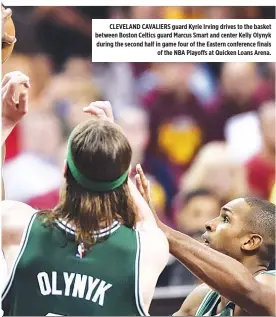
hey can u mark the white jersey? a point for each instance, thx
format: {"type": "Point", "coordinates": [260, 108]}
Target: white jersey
{"type": "Point", "coordinates": [3, 271]}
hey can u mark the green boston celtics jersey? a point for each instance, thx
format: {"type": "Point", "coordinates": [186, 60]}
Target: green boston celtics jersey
{"type": "Point", "coordinates": [210, 302]}
{"type": "Point", "coordinates": [52, 276]}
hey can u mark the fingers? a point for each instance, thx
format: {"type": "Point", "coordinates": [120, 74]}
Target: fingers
{"type": "Point", "coordinates": [9, 39]}
{"type": "Point", "coordinates": [139, 185]}
{"type": "Point", "coordinates": [106, 107]}
{"type": "Point", "coordinates": [13, 83]}
{"type": "Point", "coordinates": [142, 184]}
{"type": "Point", "coordinates": [15, 74]}
{"type": "Point", "coordinates": [143, 178]}
{"type": "Point", "coordinates": [14, 102]}
{"type": "Point", "coordinates": [23, 102]}
{"type": "Point", "coordinates": [6, 78]}
{"type": "Point", "coordinates": [101, 109]}
{"type": "Point", "coordinates": [96, 111]}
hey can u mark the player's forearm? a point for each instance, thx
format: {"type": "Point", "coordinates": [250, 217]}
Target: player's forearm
{"type": "Point", "coordinates": [221, 272]}
{"type": "Point", "coordinates": [6, 130]}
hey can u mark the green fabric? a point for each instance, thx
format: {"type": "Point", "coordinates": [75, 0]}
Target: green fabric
{"type": "Point", "coordinates": [212, 298]}
{"type": "Point", "coordinates": [88, 183]}
{"type": "Point", "coordinates": [40, 284]}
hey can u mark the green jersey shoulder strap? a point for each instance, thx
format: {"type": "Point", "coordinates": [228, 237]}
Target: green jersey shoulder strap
{"type": "Point", "coordinates": [212, 299]}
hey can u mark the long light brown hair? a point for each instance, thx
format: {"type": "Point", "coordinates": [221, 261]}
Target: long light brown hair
{"type": "Point", "coordinates": [102, 153]}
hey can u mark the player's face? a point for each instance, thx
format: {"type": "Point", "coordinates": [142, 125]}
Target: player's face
{"type": "Point", "coordinates": [224, 233]}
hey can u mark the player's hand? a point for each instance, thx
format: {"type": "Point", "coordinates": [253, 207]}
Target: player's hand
{"type": "Point", "coordinates": [142, 183]}
{"type": "Point", "coordinates": [101, 109]}
{"type": "Point", "coordinates": [13, 110]}
{"type": "Point", "coordinates": [6, 15]}
{"type": "Point", "coordinates": [143, 186]}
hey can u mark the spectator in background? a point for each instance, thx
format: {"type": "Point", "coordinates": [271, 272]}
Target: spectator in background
{"type": "Point", "coordinates": [36, 169]}
{"type": "Point", "coordinates": [64, 32]}
{"type": "Point", "coordinates": [261, 167]}
{"type": "Point", "coordinates": [215, 170]}
{"type": "Point", "coordinates": [39, 69]}
{"type": "Point", "coordinates": [117, 83]}
{"type": "Point", "coordinates": [178, 124]}
{"type": "Point", "coordinates": [69, 91]}
{"type": "Point", "coordinates": [243, 143]}
{"type": "Point", "coordinates": [64, 99]}
{"type": "Point", "coordinates": [192, 211]}
{"type": "Point", "coordinates": [135, 123]}
{"type": "Point", "coordinates": [242, 89]}
{"type": "Point", "coordinates": [75, 82]}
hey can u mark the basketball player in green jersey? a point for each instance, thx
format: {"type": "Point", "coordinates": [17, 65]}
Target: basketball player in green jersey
{"type": "Point", "coordinates": [233, 262]}
{"type": "Point", "coordinates": [99, 251]}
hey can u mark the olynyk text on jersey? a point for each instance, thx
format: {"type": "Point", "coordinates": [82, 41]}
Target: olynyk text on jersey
{"type": "Point", "coordinates": [72, 284]}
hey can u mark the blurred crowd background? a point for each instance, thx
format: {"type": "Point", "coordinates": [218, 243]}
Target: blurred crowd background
{"type": "Point", "coordinates": [204, 132]}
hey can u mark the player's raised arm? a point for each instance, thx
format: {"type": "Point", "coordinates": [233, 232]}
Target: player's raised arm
{"type": "Point", "coordinates": [226, 275]}
{"type": "Point", "coordinates": [233, 279]}
{"type": "Point", "coordinates": [14, 105]}
{"type": "Point", "coordinates": [14, 215]}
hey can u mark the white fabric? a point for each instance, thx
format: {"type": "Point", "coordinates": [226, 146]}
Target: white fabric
{"type": "Point", "coordinates": [243, 136]}
{"type": "Point", "coordinates": [28, 176]}
{"type": "Point", "coordinates": [3, 272]}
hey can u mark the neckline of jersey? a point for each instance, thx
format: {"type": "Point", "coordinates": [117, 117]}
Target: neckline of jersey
{"type": "Point", "coordinates": [64, 225]}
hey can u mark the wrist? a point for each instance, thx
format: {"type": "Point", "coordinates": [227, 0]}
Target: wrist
{"type": "Point", "coordinates": [7, 127]}
{"type": "Point", "coordinates": [3, 153]}
{"type": "Point", "coordinates": [163, 227]}
{"type": "Point", "coordinates": [7, 123]}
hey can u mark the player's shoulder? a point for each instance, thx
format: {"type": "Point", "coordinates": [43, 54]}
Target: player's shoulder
{"type": "Point", "coordinates": [15, 211]}
{"type": "Point", "coordinates": [193, 301]}
{"type": "Point", "coordinates": [154, 245]}
{"type": "Point", "coordinates": [15, 216]}
{"type": "Point", "coordinates": [13, 205]}
{"type": "Point", "coordinates": [153, 236]}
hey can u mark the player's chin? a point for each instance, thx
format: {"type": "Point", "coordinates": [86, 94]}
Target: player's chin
{"type": "Point", "coordinates": [218, 248]}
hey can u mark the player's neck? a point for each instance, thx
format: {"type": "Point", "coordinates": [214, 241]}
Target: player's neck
{"type": "Point", "coordinates": [102, 223]}
{"type": "Point", "coordinates": [254, 265]}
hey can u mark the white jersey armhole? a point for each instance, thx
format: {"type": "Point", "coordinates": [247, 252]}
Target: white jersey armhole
{"type": "Point", "coordinates": [138, 291]}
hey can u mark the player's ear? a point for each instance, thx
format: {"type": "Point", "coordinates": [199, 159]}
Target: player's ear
{"type": "Point", "coordinates": [65, 166]}
{"type": "Point", "coordinates": [252, 242]}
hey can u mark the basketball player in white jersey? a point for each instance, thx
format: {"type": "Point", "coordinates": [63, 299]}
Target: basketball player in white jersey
{"type": "Point", "coordinates": [17, 216]}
